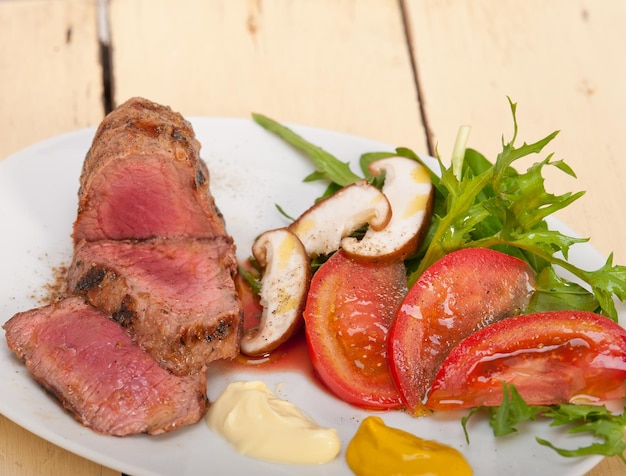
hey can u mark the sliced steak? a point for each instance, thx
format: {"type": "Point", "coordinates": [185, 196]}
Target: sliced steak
{"type": "Point", "coordinates": [175, 297]}
{"type": "Point", "coordinates": [98, 373]}
{"type": "Point", "coordinates": [143, 177]}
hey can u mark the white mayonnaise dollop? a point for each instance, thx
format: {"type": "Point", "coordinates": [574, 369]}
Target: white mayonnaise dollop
{"type": "Point", "coordinates": [261, 425]}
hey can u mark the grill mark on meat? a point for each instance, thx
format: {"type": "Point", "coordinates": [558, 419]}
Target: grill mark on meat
{"type": "Point", "coordinates": [223, 330]}
{"type": "Point", "coordinates": [175, 297]}
{"type": "Point", "coordinates": [125, 314]}
{"type": "Point", "coordinates": [166, 299]}
{"type": "Point", "coordinates": [149, 129]}
{"type": "Point", "coordinates": [91, 279]}
{"type": "Point", "coordinates": [200, 178]}
{"type": "Point", "coordinates": [193, 335]}
{"type": "Point", "coordinates": [178, 134]}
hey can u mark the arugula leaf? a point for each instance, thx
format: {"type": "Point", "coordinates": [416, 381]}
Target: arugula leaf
{"type": "Point", "coordinates": [483, 204]}
{"type": "Point", "coordinates": [511, 412]}
{"type": "Point", "coordinates": [554, 293]}
{"type": "Point", "coordinates": [480, 204]}
{"type": "Point", "coordinates": [369, 157]}
{"type": "Point", "coordinates": [606, 429]}
{"type": "Point", "coordinates": [328, 166]}
{"type": "Point", "coordinates": [495, 206]}
{"type": "Point", "coordinates": [491, 205]}
{"type": "Point", "coordinates": [284, 213]}
{"type": "Point", "coordinates": [505, 418]}
{"type": "Point", "coordinates": [253, 279]}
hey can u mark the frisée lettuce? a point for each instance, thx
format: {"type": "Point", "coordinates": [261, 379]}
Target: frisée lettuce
{"type": "Point", "coordinates": [480, 203]}
{"type": "Point", "coordinates": [491, 205]}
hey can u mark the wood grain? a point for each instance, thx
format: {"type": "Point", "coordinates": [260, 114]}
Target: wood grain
{"type": "Point", "coordinates": [25, 454]}
{"type": "Point", "coordinates": [50, 75]}
{"type": "Point", "coordinates": [50, 83]}
{"type": "Point", "coordinates": [342, 65]}
{"type": "Point", "coordinates": [355, 66]}
{"type": "Point", "coordinates": [557, 61]}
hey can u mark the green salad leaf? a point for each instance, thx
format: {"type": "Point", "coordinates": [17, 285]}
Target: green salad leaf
{"type": "Point", "coordinates": [479, 203]}
{"type": "Point", "coordinates": [605, 429]}
{"type": "Point", "coordinates": [491, 205]}
{"type": "Point", "coordinates": [329, 168]}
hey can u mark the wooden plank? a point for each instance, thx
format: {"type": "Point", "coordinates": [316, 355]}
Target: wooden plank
{"type": "Point", "coordinates": [175, 55]}
{"type": "Point", "coordinates": [24, 454]}
{"type": "Point", "coordinates": [50, 83]}
{"type": "Point", "coordinates": [50, 75]}
{"type": "Point", "coordinates": [471, 55]}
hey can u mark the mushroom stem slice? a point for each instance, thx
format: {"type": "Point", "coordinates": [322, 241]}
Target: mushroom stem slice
{"type": "Point", "coordinates": [322, 226]}
{"type": "Point", "coordinates": [284, 287]}
{"type": "Point", "coordinates": [410, 192]}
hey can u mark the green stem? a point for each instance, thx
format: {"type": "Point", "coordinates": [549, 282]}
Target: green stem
{"type": "Point", "coordinates": [458, 153]}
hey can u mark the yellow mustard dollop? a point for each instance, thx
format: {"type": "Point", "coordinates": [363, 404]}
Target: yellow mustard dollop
{"type": "Point", "coordinates": [263, 426]}
{"type": "Point", "coordinates": [379, 450]}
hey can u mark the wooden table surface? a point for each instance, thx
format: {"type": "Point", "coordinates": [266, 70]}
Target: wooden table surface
{"type": "Point", "coordinates": [405, 72]}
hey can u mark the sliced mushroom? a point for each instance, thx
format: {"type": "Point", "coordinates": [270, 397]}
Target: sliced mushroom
{"type": "Point", "coordinates": [284, 287]}
{"type": "Point", "coordinates": [322, 226]}
{"type": "Point", "coordinates": [410, 191]}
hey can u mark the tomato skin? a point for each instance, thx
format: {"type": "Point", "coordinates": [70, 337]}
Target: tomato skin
{"type": "Point", "coordinates": [550, 357]}
{"type": "Point", "coordinates": [348, 312]}
{"type": "Point", "coordinates": [462, 292]}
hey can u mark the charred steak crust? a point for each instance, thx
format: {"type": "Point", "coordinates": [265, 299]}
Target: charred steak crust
{"type": "Point", "coordinates": [145, 204]}
{"type": "Point", "coordinates": [154, 261]}
{"type": "Point", "coordinates": [99, 374]}
{"type": "Point", "coordinates": [175, 297]}
{"type": "Point", "coordinates": [143, 177]}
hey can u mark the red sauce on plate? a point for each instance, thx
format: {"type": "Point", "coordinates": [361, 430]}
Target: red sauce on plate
{"type": "Point", "coordinates": [293, 355]}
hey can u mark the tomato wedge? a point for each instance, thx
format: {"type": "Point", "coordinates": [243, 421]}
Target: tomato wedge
{"type": "Point", "coordinates": [550, 357]}
{"type": "Point", "coordinates": [348, 312]}
{"type": "Point", "coordinates": [462, 292]}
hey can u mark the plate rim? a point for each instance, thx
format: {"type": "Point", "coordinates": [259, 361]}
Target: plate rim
{"type": "Point", "coordinates": [88, 133]}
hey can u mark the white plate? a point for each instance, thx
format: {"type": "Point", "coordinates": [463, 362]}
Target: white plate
{"type": "Point", "coordinates": [251, 171]}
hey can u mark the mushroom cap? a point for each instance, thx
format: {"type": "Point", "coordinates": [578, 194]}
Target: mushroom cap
{"type": "Point", "coordinates": [410, 192]}
{"type": "Point", "coordinates": [322, 226]}
{"type": "Point", "coordinates": [284, 287]}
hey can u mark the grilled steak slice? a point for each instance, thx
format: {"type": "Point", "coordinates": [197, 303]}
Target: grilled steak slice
{"type": "Point", "coordinates": [175, 297]}
{"type": "Point", "coordinates": [98, 373]}
{"type": "Point", "coordinates": [143, 177]}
